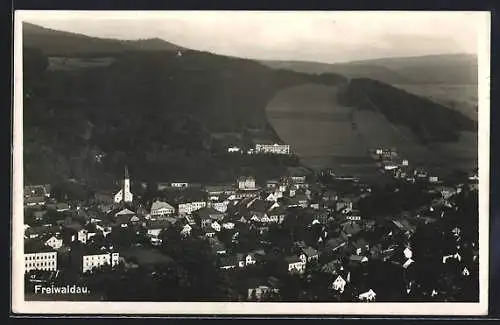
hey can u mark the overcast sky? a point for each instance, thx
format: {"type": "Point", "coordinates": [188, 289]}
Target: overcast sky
{"type": "Point", "coordinates": [325, 36]}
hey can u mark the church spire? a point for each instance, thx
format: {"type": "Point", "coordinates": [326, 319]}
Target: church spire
{"type": "Point", "coordinates": [126, 172]}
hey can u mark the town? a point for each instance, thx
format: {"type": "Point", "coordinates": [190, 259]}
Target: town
{"type": "Point", "coordinates": [307, 236]}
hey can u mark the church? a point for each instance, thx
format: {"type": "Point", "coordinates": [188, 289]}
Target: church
{"type": "Point", "coordinates": [124, 194]}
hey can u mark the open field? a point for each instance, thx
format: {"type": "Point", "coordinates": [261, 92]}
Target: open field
{"type": "Point", "coordinates": [63, 63]}
{"type": "Point", "coordinates": [326, 134]}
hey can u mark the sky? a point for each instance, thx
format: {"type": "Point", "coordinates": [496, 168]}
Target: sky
{"type": "Point", "coordinates": [323, 36]}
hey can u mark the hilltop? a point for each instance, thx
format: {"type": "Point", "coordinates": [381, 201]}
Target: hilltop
{"type": "Point", "coordinates": [59, 43]}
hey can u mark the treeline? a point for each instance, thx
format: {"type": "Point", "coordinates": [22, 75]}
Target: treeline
{"type": "Point", "coordinates": [428, 121]}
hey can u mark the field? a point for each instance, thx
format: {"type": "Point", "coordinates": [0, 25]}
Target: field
{"type": "Point", "coordinates": [325, 134]}
{"type": "Point", "coordinates": [63, 63]}
{"type": "Point", "coordinates": [460, 97]}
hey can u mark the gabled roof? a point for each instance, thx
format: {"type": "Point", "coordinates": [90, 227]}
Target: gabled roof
{"type": "Point", "coordinates": [161, 205]}
{"type": "Point", "coordinates": [309, 251]}
{"type": "Point", "coordinates": [208, 212]}
{"type": "Point", "coordinates": [36, 246]}
{"type": "Point", "coordinates": [125, 212]}
{"type": "Point", "coordinates": [351, 228]}
{"type": "Point", "coordinates": [158, 224]}
{"type": "Point", "coordinates": [292, 259]}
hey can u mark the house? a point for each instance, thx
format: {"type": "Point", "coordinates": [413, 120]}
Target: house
{"type": "Point", "coordinates": [302, 200]}
{"type": "Point", "coordinates": [408, 262]}
{"type": "Point", "coordinates": [218, 190]}
{"type": "Point", "coordinates": [295, 264]}
{"type": "Point", "coordinates": [209, 213]}
{"type": "Point", "coordinates": [93, 258]}
{"type": "Point", "coordinates": [255, 293]}
{"type": "Point", "coordinates": [332, 267]}
{"type": "Point", "coordinates": [219, 206]}
{"type": "Point", "coordinates": [228, 225]}
{"type": "Point", "coordinates": [190, 207]}
{"type": "Point", "coordinates": [160, 209]}
{"type": "Point", "coordinates": [355, 260]}
{"type": "Point", "coordinates": [54, 241]}
{"type": "Point", "coordinates": [124, 217]}
{"type": "Point", "coordinates": [335, 244]}
{"type": "Point", "coordinates": [155, 227]}
{"type": "Point", "coordinates": [344, 205]}
{"type": "Point", "coordinates": [309, 254]}
{"type": "Point", "coordinates": [35, 232]}
{"type": "Point", "coordinates": [124, 194]}
{"type": "Point", "coordinates": [272, 184]}
{"type": "Point", "coordinates": [227, 262]}
{"type": "Point", "coordinates": [186, 230]}
{"type": "Point", "coordinates": [368, 296]}
{"type": "Point", "coordinates": [339, 284]}
{"type": "Point", "coordinates": [360, 246]}
{"type": "Point", "coordinates": [351, 228]}
{"type": "Point", "coordinates": [246, 183]}
{"type": "Point", "coordinates": [38, 256]}
{"type": "Point", "coordinates": [216, 226]}
{"type": "Point", "coordinates": [61, 207]}
{"type": "Point", "coordinates": [405, 226]}
{"type": "Point", "coordinates": [34, 201]}
{"type": "Point", "coordinates": [179, 184]}
{"type": "Point", "coordinates": [455, 256]}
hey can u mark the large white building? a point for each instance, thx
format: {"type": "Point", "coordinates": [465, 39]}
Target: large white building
{"type": "Point", "coordinates": [39, 257]}
{"type": "Point", "coordinates": [190, 207]}
{"type": "Point", "coordinates": [124, 194]}
{"type": "Point", "coordinates": [246, 183]}
{"type": "Point", "coordinates": [160, 209]}
{"type": "Point", "coordinates": [98, 259]}
{"type": "Point", "coordinates": [279, 149]}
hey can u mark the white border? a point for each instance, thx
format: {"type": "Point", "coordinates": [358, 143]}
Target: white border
{"type": "Point", "coordinates": [177, 308]}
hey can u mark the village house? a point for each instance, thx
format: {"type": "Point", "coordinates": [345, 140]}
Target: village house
{"type": "Point", "coordinates": [219, 206]}
{"type": "Point", "coordinates": [209, 213]}
{"type": "Point", "coordinates": [367, 296]}
{"type": "Point", "coordinates": [216, 191]}
{"type": "Point", "coordinates": [38, 256]}
{"type": "Point", "coordinates": [53, 240]}
{"type": "Point", "coordinates": [161, 209]}
{"type": "Point", "coordinates": [272, 184]}
{"type": "Point", "coordinates": [360, 246]}
{"type": "Point", "coordinates": [125, 217]}
{"type": "Point", "coordinates": [154, 229]}
{"type": "Point", "coordinates": [94, 259]}
{"type": "Point", "coordinates": [179, 184]}
{"type": "Point", "coordinates": [227, 262]}
{"type": "Point", "coordinates": [34, 201]}
{"type": "Point", "coordinates": [309, 254]}
{"type": "Point", "coordinates": [295, 264]}
{"type": "Point", "coordinates": [190, 207]}
{"type": "Point", "coordinates": [246, 183]}
{"type": "Point", "coordinates": [340, 282]}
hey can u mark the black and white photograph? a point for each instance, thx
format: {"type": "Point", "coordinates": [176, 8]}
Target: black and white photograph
{"type": "Point", "coordinates": [251, 162]}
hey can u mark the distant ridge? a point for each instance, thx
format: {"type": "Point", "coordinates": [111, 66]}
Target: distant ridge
{"type": "Point", "coordinates": [460, 69]}
{"type": "Point", "coordinates": [58, 43]}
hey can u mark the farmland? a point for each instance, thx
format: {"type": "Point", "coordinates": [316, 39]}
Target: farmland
{"type": "Point", "coordinates": [324, 134]}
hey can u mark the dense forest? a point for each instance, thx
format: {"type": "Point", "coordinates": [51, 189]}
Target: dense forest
{"type": "Point", "coordinates": [422, 116]}
{"type": "Point", "coordinates": [154, 111]}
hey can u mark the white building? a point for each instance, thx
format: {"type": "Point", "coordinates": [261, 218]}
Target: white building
{"type": "Point", "coordinates": [370, 295]}
{"type": "Point", "coordinates": [179, 184]}
{"type": "Point", "coordinates": [54, 241]}
{"type": "Point", "coordinates": [246, 183]}
{"type": "Point", "coordinates": [339, 284]}
{"type": "Point", "coordinates": [159, 209]}
{"type": "Point", "coordinates": [190, 207]}
{"type": "Point", "coordinates": [295, 264]}
{"type": "Point", "coordinates": [233, 149]}
{"type": "Point", "coordinates": [98, 259]}
{"type": "Point", "coordinates": [278, 149]}
{"type": "Point", "coordinates": [124, 194]}
{"type": "Point", "coordinates": [39, 257]}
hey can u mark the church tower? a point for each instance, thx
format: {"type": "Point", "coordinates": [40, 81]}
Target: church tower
{"type": "Point", "coordinates": [124, 195]}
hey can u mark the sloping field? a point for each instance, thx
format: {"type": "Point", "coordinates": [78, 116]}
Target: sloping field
{"type": "Point", "coordinates": [318, 129]}
{"type": "Point", "coordinates": [326, 134]}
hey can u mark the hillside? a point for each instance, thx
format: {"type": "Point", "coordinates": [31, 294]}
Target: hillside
{"type": "Point", "coordinates": [155, 111]}
{"type": "Point", "coordinates": [59, 43]}
{"type": "Point", "coordinates": [451, 69]}
{"type": "Point", "coordinates": [425, 118]}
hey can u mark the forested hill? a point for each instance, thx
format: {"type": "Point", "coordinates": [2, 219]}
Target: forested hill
{"type": "Point", "coordinates": [153, 110]}
{"type": "Point", "coordinates": [428, 121]}
{"type": "Point", "coordinates": [59, 43]}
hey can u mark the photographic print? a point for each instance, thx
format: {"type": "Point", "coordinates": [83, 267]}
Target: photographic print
{"type": "Point", "coordinates": [251, 162]}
